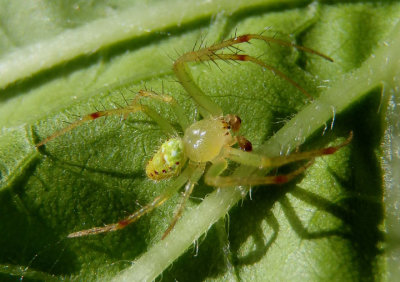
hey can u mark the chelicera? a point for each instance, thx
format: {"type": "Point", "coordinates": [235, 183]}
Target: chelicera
{"type": "Point", "coordinates": [212, 139]}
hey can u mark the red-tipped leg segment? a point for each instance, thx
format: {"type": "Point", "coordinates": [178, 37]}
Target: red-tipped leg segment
{"type": "Point", "coordinates": [212, 177]}
{"type": "Point", "coordinates": [170, 190]}
{"type": "Point", "coordinates": [260, 161]}
{"type": "Point", "coordinates": [252, 159]}
{"type": "Point", "coordinates": [207, 107]}
{"type": "Point", "coordinates": [135, 106]}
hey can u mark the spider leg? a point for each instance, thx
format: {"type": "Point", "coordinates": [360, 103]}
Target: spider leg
{"type": "Point", "coordinates": [252, 159]}
{"type": "Point", "coordinates": [188, 191]}
{"type": "Point", "coordinates": [260, 161]}
{"type": "Point", "coordinates": [177, 109]}
{"type": "Point", "coordinates": [248, 37]}
{"type": "Point", "coordinates": [169, 191]}
{"type": "Point", "coordinates": [242, 57]}
{"type": "Point", "coordinates": [131, 108]}
{"type": "Point", "coordinates": [205, 105]}
{"type": "Point", "coordinates": [208, 107]}
{"type": "Point", "coordinates": [212, 177]}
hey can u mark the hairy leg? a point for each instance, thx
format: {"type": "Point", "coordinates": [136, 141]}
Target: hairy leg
{"type": "Point", "coordinates": [194, 177]}
{"type": "Point", "coordinates": [252, 159]}
{"type": "Point", "coordinates": [260, 161]}
{"type": "Point", "coordinates": [177, 109]}
{"type": "Point", "coordinates": [206, 106]}
{"type": "Point", "coordinates": [212, 177]}
{"type": "Point", "coordinates": [170, 191]}
{"type": "Point", "coordinates": [133, 107]}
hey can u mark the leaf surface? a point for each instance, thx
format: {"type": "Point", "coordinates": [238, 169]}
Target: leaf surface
{"type": "Point", "coordinates": [328, 224]}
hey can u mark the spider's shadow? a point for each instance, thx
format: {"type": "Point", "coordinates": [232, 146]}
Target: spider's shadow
{"type": "Point", "coordinates": [258, 210]}
{"type": "Point", "coordinates": [352, 228]}
{"type": "Point", "coordinates": [359, 208]}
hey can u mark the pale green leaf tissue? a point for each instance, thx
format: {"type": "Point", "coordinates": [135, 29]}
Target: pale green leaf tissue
{"type": "Point", "coordinates": [61, 60]}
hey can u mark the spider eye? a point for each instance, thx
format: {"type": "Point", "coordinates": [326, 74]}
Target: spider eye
{"type": "Point", "coordinates": [233, 121]}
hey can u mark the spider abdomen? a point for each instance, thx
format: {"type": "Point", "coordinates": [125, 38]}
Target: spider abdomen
{"type": "Point", "coordinates": [203, 140]}
{"type": "Point", "coordinates": [167, 161]}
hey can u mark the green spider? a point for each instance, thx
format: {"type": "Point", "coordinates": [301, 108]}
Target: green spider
{"type": "Point", "coordinates": [209, 140]}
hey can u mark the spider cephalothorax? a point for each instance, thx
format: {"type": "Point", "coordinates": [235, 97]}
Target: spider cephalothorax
{"type": "Point", "coordinates": [203, 141]}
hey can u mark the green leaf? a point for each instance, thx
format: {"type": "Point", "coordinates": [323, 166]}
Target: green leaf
{"type": "Point", "coordinates": [62, 60]}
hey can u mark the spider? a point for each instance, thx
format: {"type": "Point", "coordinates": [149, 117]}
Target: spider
{"type": "Point", "coordinates": [209, 140]}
